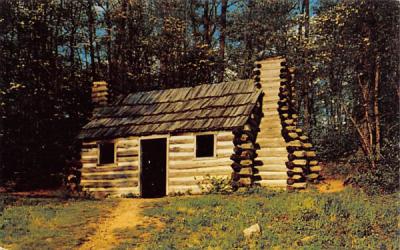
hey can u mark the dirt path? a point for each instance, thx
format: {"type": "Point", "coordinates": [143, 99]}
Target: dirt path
{"type": "Point", "coordinates": [125, 216]}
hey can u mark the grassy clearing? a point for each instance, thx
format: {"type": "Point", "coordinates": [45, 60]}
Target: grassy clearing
{"type": "Point", "coordinates": [309, 220]}
{"type": "Point", "coordinates": [306, 220]}
{"type": "Point", "coordinates": [34, 223]}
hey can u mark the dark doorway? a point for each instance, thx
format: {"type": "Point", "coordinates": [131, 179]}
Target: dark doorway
{"type": "Point", "coordinates": [153, 173]}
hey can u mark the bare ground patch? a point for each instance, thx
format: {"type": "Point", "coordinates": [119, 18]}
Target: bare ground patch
{"type": "Point", "coordinates": [331, 186]}
{"type": "Point", "coordinates": [126, 217]}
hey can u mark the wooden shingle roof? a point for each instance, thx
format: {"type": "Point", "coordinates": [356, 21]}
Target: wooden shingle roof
{"type": "Point", "coordinates": [206, 107]}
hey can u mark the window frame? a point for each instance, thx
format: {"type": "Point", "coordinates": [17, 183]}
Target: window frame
{"type": "Point", "coordinates": [99, 153]}
{"type": "Point", "coordinates": [214, 134]}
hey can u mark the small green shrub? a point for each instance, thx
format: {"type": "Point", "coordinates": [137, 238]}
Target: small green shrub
{"type": "Point", "coordinates": [216, 185]}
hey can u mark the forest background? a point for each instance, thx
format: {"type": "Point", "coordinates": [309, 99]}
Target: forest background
{"type": "Point", "coordinates": [346, 55]}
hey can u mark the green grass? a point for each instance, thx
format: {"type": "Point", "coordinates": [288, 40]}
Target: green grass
{"type": "Point", "coordinates": [305, 220]}
{"type": "Point", "coordinates": [34, 223]}
{"type": "Point", "coordinates": [308, 220]}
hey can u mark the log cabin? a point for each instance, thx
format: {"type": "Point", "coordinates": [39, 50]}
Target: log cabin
{"type": "Point", "coordinates": [164, 142]}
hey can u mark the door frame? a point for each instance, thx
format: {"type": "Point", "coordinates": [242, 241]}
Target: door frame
{"type": "Point", "coordinates": [150, 137]}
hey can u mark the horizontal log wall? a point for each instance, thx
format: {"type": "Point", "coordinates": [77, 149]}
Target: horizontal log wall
{"type": "Point", "coordinates": [186, 172]}
{"type": "Point", "coordinates": [122, 177]}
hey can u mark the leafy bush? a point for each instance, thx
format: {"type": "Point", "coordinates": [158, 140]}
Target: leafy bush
{"type": "Point", "coordinates": [332, 144]}
{"type": "Point", "coordinates": [216, 185]}
{"type": "Point", "coordinates": [385, 177]}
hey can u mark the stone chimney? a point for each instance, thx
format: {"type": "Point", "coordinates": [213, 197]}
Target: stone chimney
{"type": "Point", "coordinates": [99, 93]}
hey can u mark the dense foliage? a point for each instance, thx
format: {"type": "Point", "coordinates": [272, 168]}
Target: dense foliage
{"type": "Point", "coordinates": [346, 54]}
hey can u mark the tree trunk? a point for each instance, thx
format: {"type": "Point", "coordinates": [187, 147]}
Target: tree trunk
{"type": "Point", "coordinates": [194, 20]}
{"type": "Point", "coordinates": [363, 137]}
{"type": "Point", "coordinates": [207, 24]}
{"type": "Point", "coordinates": [248, 43]}
{"type": "Point", "coordinates": [376, 110]}
{"type": "Point", "coordinates": [300, 30]}
{"type": "Point", "coordinates": [72, 47]}
{"type": "Point", "coordinates": [306, 6]}
{"type": "Point", "coordinates": [306, 89]}
{"type": "Point", "coordinates": [224, 6]}
{"type": "Point", "coordinates": [109, 51]}
{"type": "Point", "coordinates": [86, 56]}
{"type": "Point", "coordinates": [366, 106]}
{"type": "Point", "coordinates": [98, 58]}
{"type": "Point", "coordinates": [91, 34]}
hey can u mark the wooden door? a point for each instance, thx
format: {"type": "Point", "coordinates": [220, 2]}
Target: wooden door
{"type": "Point", "coordinates": [153, 167]}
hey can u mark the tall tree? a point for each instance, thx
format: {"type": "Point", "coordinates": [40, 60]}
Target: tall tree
{"type": "Point", "coordinates": [91, 35]}
{"type": "Point", "coordinates": [222, 37]}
